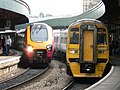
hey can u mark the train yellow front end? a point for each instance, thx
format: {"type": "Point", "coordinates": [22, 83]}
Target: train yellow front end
{"type": "Point", "coordinates": [39, 43]}
{"type": "Point", "coordinates": [87, 50]}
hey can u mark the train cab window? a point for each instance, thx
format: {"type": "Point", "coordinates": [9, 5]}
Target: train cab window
{"type": "Point", "coordinates": [74, 38]}
{"type": "Point", "coordinates": [101, 36]}
{"type": "Point", "coordinates": [39, 33]}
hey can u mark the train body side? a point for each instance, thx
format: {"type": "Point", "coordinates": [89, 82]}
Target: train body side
{"type": "Point", "coordinates": [60, 40]}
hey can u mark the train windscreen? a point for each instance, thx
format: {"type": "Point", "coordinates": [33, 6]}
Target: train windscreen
{"type": "Point", "coordinates": [39, 33]}
{"type": "Point", "coordinates": [101, 36]}
{"type": "Point", "coordinates": [74, 38]}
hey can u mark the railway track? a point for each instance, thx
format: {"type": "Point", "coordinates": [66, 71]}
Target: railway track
{"type": "Point", "coordinates": [80, 84]}
{"type": "Point", "coordinates": [22, 78]}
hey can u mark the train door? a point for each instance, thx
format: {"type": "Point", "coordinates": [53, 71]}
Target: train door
{"type": "Point", "coordinates": [88, 47]}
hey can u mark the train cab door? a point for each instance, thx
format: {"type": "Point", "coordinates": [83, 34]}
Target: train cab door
{"type": "Point", "coordinates": [88, 46]}
{"type": "Point", "coordinates": [88, 36]}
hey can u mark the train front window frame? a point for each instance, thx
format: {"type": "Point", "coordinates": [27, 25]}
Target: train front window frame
{"type": "Point", "coordinates": [39, 33]}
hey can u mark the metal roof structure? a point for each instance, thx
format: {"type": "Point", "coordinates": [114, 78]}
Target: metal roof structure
{"type": "Point", "coordinates": [60, 22]}
{"type": "Point", "coordinates": [13, 12]}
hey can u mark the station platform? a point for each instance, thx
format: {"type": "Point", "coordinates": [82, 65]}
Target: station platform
{"type": "Point", "coordinates": [112, 80]}
{"type": "Point", "coordinates": [8, 63]}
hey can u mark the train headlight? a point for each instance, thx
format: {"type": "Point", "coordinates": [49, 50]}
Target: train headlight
{"type": "Point", "coordinates": [29, 48]}
{"type": "Point", "coordinates": [73, 51]}
{"type": "Point", "coordinates": [87, 67]}
{"type": "Point", "coordinates": [49, 47]}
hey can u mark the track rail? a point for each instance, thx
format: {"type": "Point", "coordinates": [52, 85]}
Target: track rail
{"type": "Point", "coordinates": [22, 78]}
{"type": "Point", "coordinates": [77, 85]}
{"type": "Point", "coordinates": [69, 86]}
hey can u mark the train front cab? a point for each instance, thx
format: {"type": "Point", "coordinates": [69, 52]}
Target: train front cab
{"type": "Point", "coordinates": [39, 44]}
{"type": "Point", "coordinates": [87, 49]}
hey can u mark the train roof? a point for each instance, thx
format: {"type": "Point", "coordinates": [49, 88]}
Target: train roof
{"type": "Point", "coordinates": [87, 20]}
{"type": "Point", "coordinates": [23, 30]}
{"type": "Point", "coordinates": [40, 23]}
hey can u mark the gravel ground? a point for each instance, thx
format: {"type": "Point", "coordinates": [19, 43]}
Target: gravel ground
{"type": "Point", "coordinates": [11, 74]}
{"type": "Point", "coordinates": [55, 79]}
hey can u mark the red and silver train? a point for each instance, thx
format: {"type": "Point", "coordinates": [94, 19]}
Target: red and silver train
{"type": "Point", "coordinates": [60, 40]}
{"type": "Point", "coordinates": [60, 43]}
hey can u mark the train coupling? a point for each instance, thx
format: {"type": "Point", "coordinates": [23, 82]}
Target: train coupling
{"type": "Point", "coordinates": [87, 67]}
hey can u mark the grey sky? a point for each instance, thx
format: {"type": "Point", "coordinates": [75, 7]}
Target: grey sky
{"type": "Point", "coordinates": [55, 7]}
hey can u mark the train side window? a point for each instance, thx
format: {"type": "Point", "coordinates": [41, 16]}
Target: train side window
{"type": "Point", "coordinates": [56, 39]}
{"type": "Point", "coordinates": [74, 38]}
{"type": "Point", "coordinates": [61, 40]}
{"type": "Point", "coordinates": [65, 40]}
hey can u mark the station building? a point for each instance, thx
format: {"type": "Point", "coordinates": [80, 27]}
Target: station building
{"type": "Point", "coordinates": [13, 12]}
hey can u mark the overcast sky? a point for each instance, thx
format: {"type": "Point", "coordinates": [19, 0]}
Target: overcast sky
{"type": "Point", "coordinates": [55, 7]}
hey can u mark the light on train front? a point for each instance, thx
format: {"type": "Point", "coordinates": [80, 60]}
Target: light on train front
{"type": "Point", "coordinates": [49, 47]}
{"type": "Point", "coordinates": [29, 49]}
{"type": "Point", "coordinates": [87, 67]}
{"type": "Point", "coordinates": [73, 51]}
